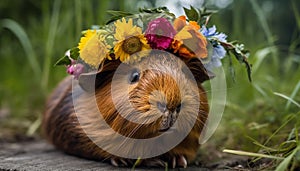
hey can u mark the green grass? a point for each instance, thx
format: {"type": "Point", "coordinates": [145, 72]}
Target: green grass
{"type": "Point", "coordinates": [261, 118]}
{"type": "Point", "coordinates": [29, 47]}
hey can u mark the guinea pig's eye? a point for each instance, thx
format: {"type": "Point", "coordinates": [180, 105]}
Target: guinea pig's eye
{"type": "Point", "coordinates": [134, 76]}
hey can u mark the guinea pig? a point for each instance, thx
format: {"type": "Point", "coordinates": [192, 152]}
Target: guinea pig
{"type": "Point", "coordinates": [159, 96]}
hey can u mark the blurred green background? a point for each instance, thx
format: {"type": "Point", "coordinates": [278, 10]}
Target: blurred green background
{"type": "Point", "coordinates": [34, 34]}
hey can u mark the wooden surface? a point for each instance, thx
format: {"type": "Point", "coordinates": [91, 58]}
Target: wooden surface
{"type": "Point", "coordinates": [37, 155]}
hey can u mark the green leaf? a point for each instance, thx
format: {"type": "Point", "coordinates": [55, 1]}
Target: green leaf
{"type": "Point", "coordinates": [112, 19]}
{"type": "Point", "coordinates": [116, 15]}
{"type": "Point", "coordinates": [240, 54]}
{"type": "Point", "coordinates": [192, 14]}
{"type": "Point", "coordinates": [119, 13]}
{"type": "Point", "coordinates": [205, 15]}
{"type": "Point", "coordinates": [206, 12]}
{"type": "Point", "coordinates": [65, 60]}
{"type": "Point", "coordinates": [155, 10]}
{"type": "Point", "coordinates": [74, 53]}
{"type": "Point", "coordinates": [243, 59]}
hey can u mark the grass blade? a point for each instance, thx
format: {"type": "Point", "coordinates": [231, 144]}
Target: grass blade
{"type": "Point", "coordinates": [278, 129]}
{"type": "Point", "coordinates": [50, 43]}
{"type": "Point", "coordinates": [78, 10]}
{"type": "Point", "coordinates": [296, 13]}
{"type": "Point", "coordinates": [260, 90]}
{"type": "Point", "coordinates": [287, 98]}
{"type": "Point", "coordinates": [26, 43]}
{"type": "Point", "coordinates": [245, 153]}
{"type": "Point", "coordinates": [137, 162]}
{"type": "Point", "coordinates": [285, 163]}
{"type": "Point", "coordinates": [34, 127]}
{"type": "Point", "coordinates": [295, 91]}
{"type": "Point", "coordinates": [260, 56]}
{"type": "Point", "coordinates": [264, 24]}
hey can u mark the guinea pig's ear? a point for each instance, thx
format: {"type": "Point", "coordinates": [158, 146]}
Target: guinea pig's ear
{"type": "Point", "coordinates": [91, 81]}
{"type": "Point", "coordinates": [198, 70]}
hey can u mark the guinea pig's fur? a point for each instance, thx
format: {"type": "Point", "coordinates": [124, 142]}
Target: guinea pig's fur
{"type": "Point", "coordinates": [164, 81]}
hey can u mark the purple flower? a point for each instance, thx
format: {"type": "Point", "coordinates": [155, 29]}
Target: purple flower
{"type": "Point", "coordinates": [160, 33]}
{"type": "Point", "coordinates": [212, 33]}
{"type": "Point", "coordinates": [75, 69]}
{"type": "Point", "coordinates": [218, 53]}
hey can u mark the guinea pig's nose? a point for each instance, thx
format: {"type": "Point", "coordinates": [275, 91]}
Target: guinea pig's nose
{"type": "Point", "coordinates": [162, 106]}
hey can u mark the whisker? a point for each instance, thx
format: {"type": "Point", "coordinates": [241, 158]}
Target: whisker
{"type": "Point", "coordinates": [127, 138]}
{"type": "Point", "coordinates": [131, 133]}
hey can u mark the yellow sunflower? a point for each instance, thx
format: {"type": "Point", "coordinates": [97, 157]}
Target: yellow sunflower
{"type": "Point", "coordinates": [92, 50]}
{"type": "Point", "coordinates": [129, 41]}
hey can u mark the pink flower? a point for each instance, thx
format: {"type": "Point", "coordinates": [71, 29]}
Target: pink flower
{"type": "Point", "coordinates": [160, 33]}
{"type": "Point", "coordinates": [75, 69]}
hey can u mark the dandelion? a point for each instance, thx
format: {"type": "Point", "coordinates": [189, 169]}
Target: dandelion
{"type": "Point", "coordinates": [92, 50]}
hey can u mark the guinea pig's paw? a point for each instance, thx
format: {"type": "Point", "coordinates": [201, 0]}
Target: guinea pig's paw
{"type": "Point", "coordinates": [175, 161]}
{"type": "Point", "coordinates": [179, 161]}
{"type": "Point", "coordinates": [120, 162]}
{"type": "Point", "coordinates": [154, 163]}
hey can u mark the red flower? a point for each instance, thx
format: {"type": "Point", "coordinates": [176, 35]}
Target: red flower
{"type": "Point", "coordinates": [160, 33]}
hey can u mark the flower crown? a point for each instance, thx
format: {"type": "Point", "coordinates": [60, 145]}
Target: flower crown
{"type": "Point", "coordinates": [130, 37]}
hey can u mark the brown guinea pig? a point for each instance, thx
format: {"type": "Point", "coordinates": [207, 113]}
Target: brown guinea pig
{"type": "Point", "coordinates": [153, 110]}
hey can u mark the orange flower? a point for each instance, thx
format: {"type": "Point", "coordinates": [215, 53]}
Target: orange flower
{"type": "Point", "coordinates": [189, 42]}
{"type": "Point", "coordinates": [194, 24]}
{"type": "Point", "coordinates": [179, 22]}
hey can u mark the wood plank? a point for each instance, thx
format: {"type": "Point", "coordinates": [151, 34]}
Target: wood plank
{"type": "Point", "coordinates": [39, 155]}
